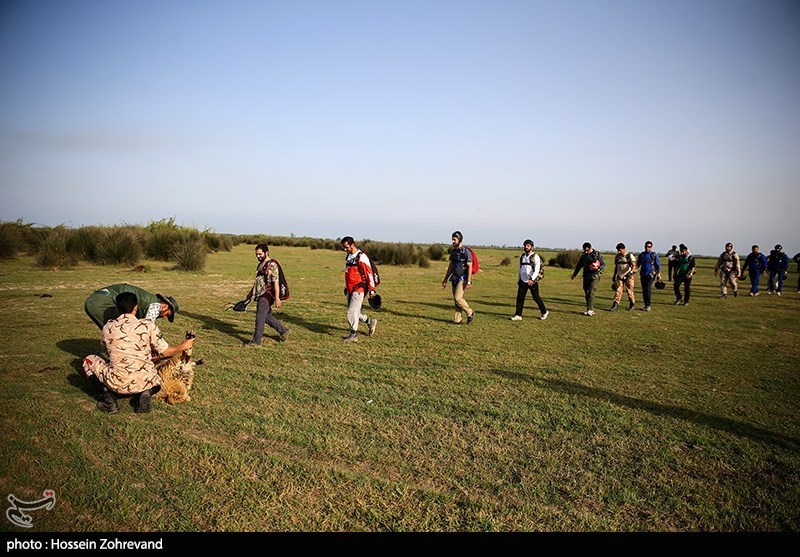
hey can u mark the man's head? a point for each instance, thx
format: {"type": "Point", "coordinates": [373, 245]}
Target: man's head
{"type": "Point", "coordinates": [169, 307]}
{"type": "Point", "coordinates": [527, 245]}
{"type": "Point", "coordinates": [127, 302]}
{"type": "Point", "coordinates": [674, 246]}
{"type": "Point", "coordinates": [349, 244]}
{"type": "Point", "coordinates": [778, 247]}
{"type": "Point", "coordinates": [755, 248]}
{"type": "Point", "coordinates": [262, 252]}
{"type": "Point", "coordinates": [648, 245]}
{"type": "Point", "coordinates": [729, 247]}
{"type": "Point", "coordinates": [621, 248]}
{"type": "Point", "coordinates": [458, 237]}
{"type": "Point", "coordinates": [684, 249]}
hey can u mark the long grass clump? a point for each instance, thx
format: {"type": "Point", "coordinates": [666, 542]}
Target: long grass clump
{"type": "Point", "coordinates": [118, 245]}
{"type": "Point", "coordinates": [190, 253]}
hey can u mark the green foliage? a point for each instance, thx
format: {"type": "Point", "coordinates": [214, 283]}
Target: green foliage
{"type": "Point", "coordinates": [82, 242]}
{"type": "Point", "coordinates": [190, 253]}
{"type": "Point", "coordinates": [52, 251]}
{"type": "Point", "coordinates": [436, 252]}
{"type": "Point", "coordinates": [566, 259]}
{"type": "Point", "coordinates": [118, 245]}
{"type": "Point", "coordinates": [10, 240]}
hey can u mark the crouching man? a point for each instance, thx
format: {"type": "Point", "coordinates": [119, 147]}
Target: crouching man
{"type": "Point", "coordinates": [131, 343]}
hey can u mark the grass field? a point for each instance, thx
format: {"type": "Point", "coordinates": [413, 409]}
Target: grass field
{"type": "Point", "coordinates": [681, 419]}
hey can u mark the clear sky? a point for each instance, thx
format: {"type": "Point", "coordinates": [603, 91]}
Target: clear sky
{"type": "Point", "coordinates": [562, 120]}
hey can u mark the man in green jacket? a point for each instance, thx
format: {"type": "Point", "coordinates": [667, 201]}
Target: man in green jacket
{"type": "Point", "coordinates": [101, 306]}
{"type": "Point", "coordinates": [593, 266]}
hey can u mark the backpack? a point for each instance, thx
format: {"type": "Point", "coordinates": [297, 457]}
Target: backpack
{"type": "Point", "coordinates": [282, 284]}
{"type": "Point", "coordinates": [538, 277]}
{"type": "Point", "coordinates": [375, 273]}
{"type": "Point", "coordinates": [475, 264]}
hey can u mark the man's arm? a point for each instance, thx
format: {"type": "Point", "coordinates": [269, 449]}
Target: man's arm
{"type": "Point", "coordinates": [447, 274]}
{"type": "Point", "coordinates": [178, 348]}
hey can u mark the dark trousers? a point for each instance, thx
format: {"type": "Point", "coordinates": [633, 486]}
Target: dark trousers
{"type": "Point", "coordinates": [671, 269]}
{"type": "Point", "coordinates": [687, 287]}
{"type": "Point", "coordinates": [647, 288]}
{"type": "Point", "coordinates": [522, 291]}
{"type": "Point", "coordinates": [755, 276]}
{"type": "Point", "coordinates": [775, 281]}
{"type": "Point", "coordinates": [264, 316]}
{"type": "Point", "coordinates": [589, 287]}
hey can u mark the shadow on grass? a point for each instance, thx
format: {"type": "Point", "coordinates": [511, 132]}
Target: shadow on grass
{"type": "Point", "coordinates": [80, 348]}
{"type": "Point", "coordinates": [700, 418]}
{"type": "Point", "coordinates": [219, 325]}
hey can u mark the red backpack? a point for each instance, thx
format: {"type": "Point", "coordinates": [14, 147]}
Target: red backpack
{"type": "Point", "coordinates": [476, 266]}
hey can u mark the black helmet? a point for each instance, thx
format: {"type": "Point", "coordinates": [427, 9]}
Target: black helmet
{"type": "Point", "coordinates": [375, 301]}
{"type": "Point", "coordinates": [660, 284]}
{"type": "Point", "coordinates": [459, 235]}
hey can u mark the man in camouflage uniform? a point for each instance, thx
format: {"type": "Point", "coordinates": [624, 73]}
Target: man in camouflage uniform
{"type": "Point", "coordinates": [131, 343]}
{"type": "Point", "coordinates": [624, 273]}
{"type": "Point", "coordinates": [729, 269]}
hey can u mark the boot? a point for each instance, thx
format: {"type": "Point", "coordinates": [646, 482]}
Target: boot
{"type": "Point", "coordinates": [143, 404]}
{"type": "Point", "coordinates": [614, 306]}
{"type": "Point", "coordinates": [108, 402]}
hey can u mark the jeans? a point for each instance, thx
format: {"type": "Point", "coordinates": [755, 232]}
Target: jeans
{"type": "Point", "coordinates": [755, 276]}
{"type": "Point", "coordinates": [522, 291]}
{"type": "Point", "coordinates": [772, 282]}
{"type": "Point", "coordinates": [647, 288]}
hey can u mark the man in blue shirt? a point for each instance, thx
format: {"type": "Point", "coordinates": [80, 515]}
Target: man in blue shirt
{"type": "Point", "coordinates": [778, 264]}
{"type": "Point", "coordinates": [649, 268]}
{"type": "Point", "coordinates": [459, 271]}
{"type": "Point", "coordinates": [756, 265]}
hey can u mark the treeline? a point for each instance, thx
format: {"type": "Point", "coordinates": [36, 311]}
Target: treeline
{"type": "Point", "coordinates": [163, 240]}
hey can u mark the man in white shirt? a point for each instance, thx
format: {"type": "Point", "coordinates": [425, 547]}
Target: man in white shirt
{"type": "Point", "coordinates": [530, 273]}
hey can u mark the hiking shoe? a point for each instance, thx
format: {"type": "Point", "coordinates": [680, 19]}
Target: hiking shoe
{"type": "Point", "coordinates": [544, 315]}
{"type": "Point", "coordinates": [679, 302]}
{"type": "Point", "coordinates": [516, 318]}
{"type": "Point", "coordinates": [108, 404]}
{"type": "Point", "coordinates": [735, 293]}
{"type": "Point", "coordinates": [686, 303]}
{"type": "Point", "coordinates": [631, 307]}
{"type": "Point", "coordinates": [471, 318]}
{"type": "Point", "coordinates": [143, 407]}
{"type": "Point", "coordinates": [372, 324]}
{"type": "Point", "coordinates": [351, 338]}
{"type": "Point", "coordinates": [285, 335]}
{"type": "Point", "coordinates": [614, 306]}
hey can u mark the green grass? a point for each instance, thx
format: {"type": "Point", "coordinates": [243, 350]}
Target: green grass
{"type": "Point", "coordinates": [682, 419]}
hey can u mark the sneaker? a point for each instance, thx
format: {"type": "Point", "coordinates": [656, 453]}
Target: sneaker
{"type": "Point", "coordinates": [372, 324]}
{"type": "Point", "coordinates": [471, 318]}
{"type": "Point", "coordinates": [686, 303]}
{"type": "Point", "coordinates": [630, 307]}
{"type": "Point", "coordinates": [143, 407]}
{"type": "Point", "coordinates": [285, 335]}
{"type": "Point", "coordinates": [647, 308]}
{"type": "Point", "coordinates": [351, 338]}
{"type": "Point", "coordinates": [778, 293]}
{"type": "Point", "coordinates": [614, 306]}
{"type": "Point", "coordinates": [769, 291]}
{"type": "Point", "coordinates": [588, 312]}
{"type": "Point", "coordinates": [252, 344]}
{"type": "Point", "coordinates": [679, 302]}
{"type": "Point", "coordinates": [724, 296]}
{"type": "Point", "coordinates": [751, 294]}
{"type": "Point", "coordinates": [756, 294]}
{"type": "Point", "coordinates": [516, 318]}
{"type": "Point", "coordinates": [544, 315]}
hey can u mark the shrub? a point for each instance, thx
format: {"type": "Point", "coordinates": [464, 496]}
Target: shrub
{"type": "Point", "coordinates": [161, 238]}
{"type": "Point", "coordinates": [118, 244]}
{"type": "Point", "coordinates": [52, 251]}
{"type": "Point", "coordinates": [10, 240]}
{"type": "Point", "coordinates": [505, 262]}
{"type": "Point", "coordinates": [567, 259]}
{"type": "Point", "coordinates": [190, 253]}
{"type": "Point", "coordinates": [82, 243]}
{"type": "Point", "coordinates": [436, 252]}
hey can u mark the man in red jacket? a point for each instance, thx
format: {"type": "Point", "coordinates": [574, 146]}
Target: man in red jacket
{"type": "Point", "coordinates": [358, 281]}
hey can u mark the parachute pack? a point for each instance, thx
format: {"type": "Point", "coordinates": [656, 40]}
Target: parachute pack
{"type": "Point", "coordinates": [282, 284]}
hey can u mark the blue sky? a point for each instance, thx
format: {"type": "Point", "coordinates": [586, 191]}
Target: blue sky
{"type": "Point", "coordinates": [562, 121]}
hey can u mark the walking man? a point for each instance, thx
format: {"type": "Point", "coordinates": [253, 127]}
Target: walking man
{"type": "Point", "coordinates": [729, 269]}
{"type": "Point", "coordinates": [777, 264]}
{"type": "Point", "coordinates": [593, 266]}
{"type": "Point", "coordinates": [796, 259]}
{"type": "Point", "coordinates": [358, 282]}
{"type": "Point", "coordinates": [459, 271]}
{"type": "Point", "coordinates": [672, 255]}
{"type": "Point", "coordinates": [266, 291]}
{"type": "Point", "coordinates": [130, 341]}
{"type": "Point", "coordinates": [649, 266]}
{"type": "Point", "coordinates": [101, 305]}
{"type": "Point", "coordinates": [684, 272]}
{"type": "Point", "coordinates": [756, 265]}
{"type": "Point", "coordinates": [624, 273]}
{"type": "Point", "coordinates": [530, 273]}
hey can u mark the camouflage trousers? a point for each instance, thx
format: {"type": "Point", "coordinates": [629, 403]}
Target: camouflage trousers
{"type": "Point", "coordinates": [627, 285]}
{"type": "Point", "coordinates": [726, 278]}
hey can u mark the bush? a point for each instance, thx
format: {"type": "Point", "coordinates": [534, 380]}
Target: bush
{"type": "Point", "coordinates": [436, 252]}
{"type": "Point", "coordinates": [82, 243]}
{"type": "Point", "coordinates": [161, 237]}
{"type": "Point", "coordinates": [10, 240]}
{"type": "Point", "coordinates": [567, 259]}
{"type": "Point", "coordinates": [52, 251]}
{"type": "Point", "coordinates": [190, 253]}
{"type": "Point", "coordinates": [505, 262]}
{"type": "Point", "coordinates": [118, 245]}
